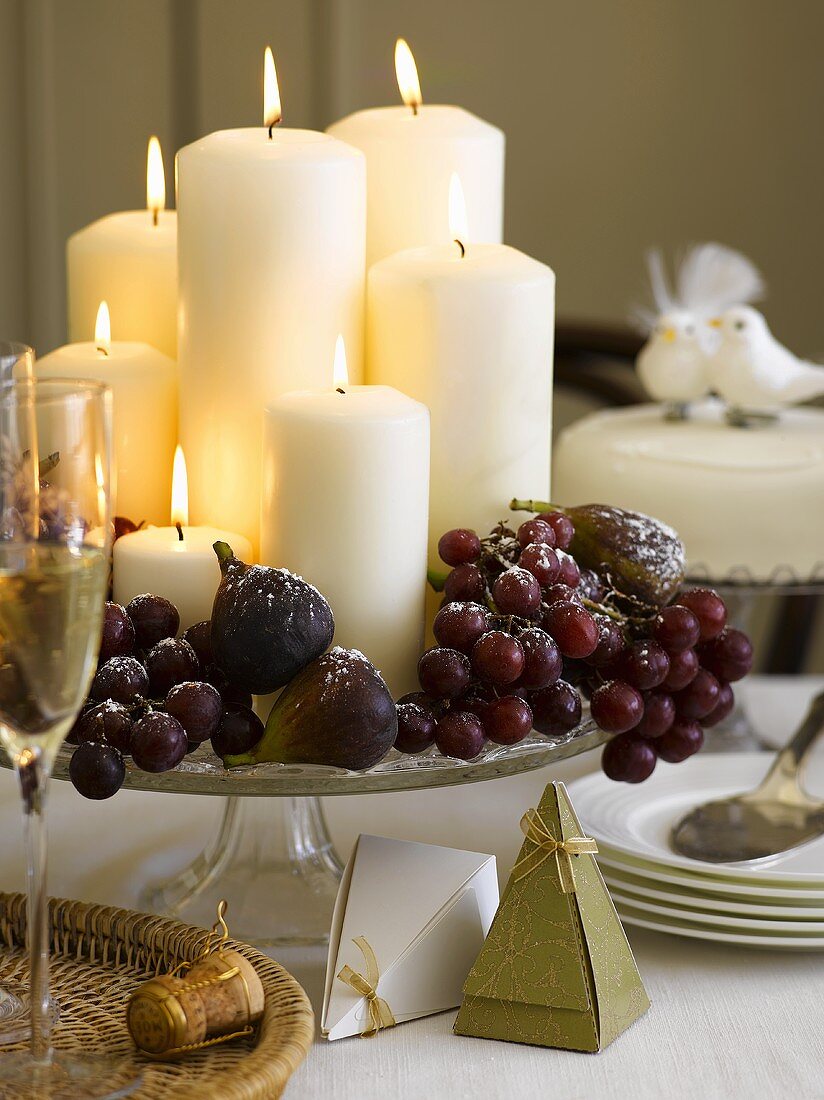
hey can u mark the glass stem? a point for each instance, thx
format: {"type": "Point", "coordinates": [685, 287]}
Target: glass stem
{"type": "Point", "coordinates": [33, 769]}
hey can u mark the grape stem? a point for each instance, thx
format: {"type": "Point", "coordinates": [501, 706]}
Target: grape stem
{"type": "Point", "coordinates": [534, 506]}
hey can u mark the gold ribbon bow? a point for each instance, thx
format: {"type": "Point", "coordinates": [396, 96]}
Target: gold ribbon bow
{"type": "Point", "coordinates": [535, 830]}
{"type": "Point", "coordinates": [380, 1014]}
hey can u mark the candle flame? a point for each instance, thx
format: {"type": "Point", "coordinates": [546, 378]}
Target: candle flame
{"type": "Point", "coordinates": [340, 372]}
{"type": "Point", "coordinates": [458, 227]}
{"type": "Point", "coordinates": [407, 73]}
{"type": "Point", "coordinates": [271, 93]}
{"type": "Point", "coordinates": [180, 490]}
{"type": "Point", "coordinates": [155, 179]}
{"type": "Point", "coordinates": [103, 329]}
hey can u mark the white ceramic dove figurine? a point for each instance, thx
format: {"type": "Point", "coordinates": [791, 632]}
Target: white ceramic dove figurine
{"type": "Point", "coordinates": [753, 372]}
{"type": "Point", "coordinates": [673, 365]}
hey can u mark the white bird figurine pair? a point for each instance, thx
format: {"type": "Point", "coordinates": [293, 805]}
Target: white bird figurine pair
{"type": "Point", "coordinates": [706, 338]}
{"type": "Point", "coordinates": [674, 363]}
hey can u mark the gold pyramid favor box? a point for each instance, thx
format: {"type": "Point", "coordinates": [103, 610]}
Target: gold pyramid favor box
{"type": "Point", "coordinates": [556, 969]}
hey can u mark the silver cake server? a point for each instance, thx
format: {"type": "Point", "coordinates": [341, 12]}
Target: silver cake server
{"type": "Point", "coordinates": [776, 816]}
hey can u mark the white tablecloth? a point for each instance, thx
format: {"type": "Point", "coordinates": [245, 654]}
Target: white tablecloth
{"type": "Point", "coordinates": [725, 1023]}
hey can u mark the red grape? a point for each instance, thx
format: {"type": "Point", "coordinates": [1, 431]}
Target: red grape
{"type": "Point", "coordinates": [459, 734]}
{"type": "Point", "coordinates": [459, 546]}
{"type": "Point", "coordinates": [434, 706]}
{"type": "Point", "coordinates": [610, 642]}
{"type": "Point", "coordinates": [416, 728]}
{"type": "Point", "coordinates": [573, 628]}
{"type": "Point", "coordinates": [199, 637]}
{"type": "Point", "coordinates": [517, 592]}
{"type": "Point", "coordinates": [616, 707]}
{"type": "Point", "coordinates": [728, 656]}
{"type": "Point", "coordinates": [682, 739]}
{"type": "Point", "coordinates": [722, 709]}
{"type": "Point", "coordinates": [465, 582]}
{"type": "Point", "coordinates": [197, 706]}
{"type": "Point", "coordinates": [682, 670]}
{"type": "Point", "coordinates": [542, 659]}
{"type": "Point", "coordinates": [676, 628]}
{"type": "Point", "coordinates": [537, 531]}
{"type": "Point", "coordinates": [569, 573]}
{"type": "Point", "coordinates": [591, 586]}
{"type": "Point", "coordinates": [97, 770]}
{"type": "Point", "coordinates": [159, 742]}
{"type": "Point", "coordinates": [107, 722]}
{"type": "Point", "coordinates": [476, 700]}
{"type": "Point", "coordinates": [498, 658]}
{"type": "Point", "coordinates": [562, 526]}
{"type": "Point", "coordinates": [708, 608]}
{"type": "Point", "coordinates": [460, 625]}
{"type": "Point", "coordinates": [699, 697]}
{"type": "Point", "coordinates": [238, 731]}
{"type": "Point", "coordinates": [659, 714]}
{"type": "Point", "coordinates": [154, 619]}
{"type": "Point", "coordinates": [122, 679]}
{"type": "Point", "coordinates": [628, 759]}
{"type": "Point", "coordinates": [229, 693]}
{"type": "Point", "coordinates": [644, 664]}
{"type": "Point", "coordinates": [556, 710]}
{"type": "Point", "coordinates": [444, 673]}
{"type": "Point", "coordinates": [507, 720]}
{"type": "Point", "coordinates": [561, 593]}
{"type": "Point", "coordinates": [541, 561]}
{"type": "Point", "coordinates": [172, 661]}
{"type": "Point", "coordinates": [118, 633]}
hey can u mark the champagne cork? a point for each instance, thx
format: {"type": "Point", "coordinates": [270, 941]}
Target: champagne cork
{"type": "Point", "coordinates": [230, 1003]}
{"type": "Point", "coordinates": [162, 1016]}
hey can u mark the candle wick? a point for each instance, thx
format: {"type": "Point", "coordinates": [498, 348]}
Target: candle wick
{"type": "Point", "coordinates": [339, 390]}
{"type": "Point", "coordinates": [272, 125]}
{"type": "Point", "coordinates": [460, 245]}
{"type": "Point", "coordinates": [179, 531]}
{"type": "Point", "coordinates": [414, 108]}
{"type": "Point", "coordinates": [155, 215]}
{"type": "Point", "coordinates": [103, 351]}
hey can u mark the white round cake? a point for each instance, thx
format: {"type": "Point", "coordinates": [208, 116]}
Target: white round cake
{"type": "Point", "coordinates": [747, 502]}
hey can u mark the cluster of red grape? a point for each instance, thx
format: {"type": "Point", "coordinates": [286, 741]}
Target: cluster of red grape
{"type": "Point", "coordinates": [155, 697]}
{"type": "Point", "coordinates": [525, 634]}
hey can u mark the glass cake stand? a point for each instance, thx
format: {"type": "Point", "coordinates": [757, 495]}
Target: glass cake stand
{"type": "Point", "coordinates": [272, 857]}
{"type": "Point", "coordinates": [741, 590]}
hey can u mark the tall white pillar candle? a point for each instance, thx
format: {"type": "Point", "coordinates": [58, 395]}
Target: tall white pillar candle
{"type": "Point", "coordinates": [143, 382]}
{"type": "Point", "coordinates": [411, 152]}
{"type": "Point", "coordinates": [346, 486]}
{"type": "Point", "coordinates": [271, 242]}
{"type": "Point", "coordinates": [470, 336]}
{"type": "Point", "coordinates": [129, 260]}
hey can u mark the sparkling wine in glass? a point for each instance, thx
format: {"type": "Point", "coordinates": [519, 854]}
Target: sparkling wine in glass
{"type": "Point", "coordinates": [54, 564]}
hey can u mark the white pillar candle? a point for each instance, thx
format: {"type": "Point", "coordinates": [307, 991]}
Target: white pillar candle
{"type": "Point", "coordinates": [346, 486]}
{"type": "Point", "coordinates": [470, 334]}
{"type": "Point", "coordinates": [271, 250]}
{"type": "Point", "coordinates": [130, 260]}
{"type": "Point", "coordinates": [411, 152]}
{"type": "Point", "coordinates": [144, 414]}
{"type": "Point", "coordinates": [178, 562]}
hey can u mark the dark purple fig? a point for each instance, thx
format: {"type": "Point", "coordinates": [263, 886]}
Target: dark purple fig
{"type": "Point", "coordinates": [267, 624]}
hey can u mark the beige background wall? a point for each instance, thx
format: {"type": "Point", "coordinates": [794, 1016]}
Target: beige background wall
{"type": "Point", "coordinates": [629, 122]}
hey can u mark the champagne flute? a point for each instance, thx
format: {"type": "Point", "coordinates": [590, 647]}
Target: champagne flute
{"type": "Point", "coordinates": [54, 555]}
{"type": "Point", "coordinates": [16, 362]}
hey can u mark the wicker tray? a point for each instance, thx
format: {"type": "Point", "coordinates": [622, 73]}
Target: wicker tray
{"type": "Point", "coordinates": [99, 955]}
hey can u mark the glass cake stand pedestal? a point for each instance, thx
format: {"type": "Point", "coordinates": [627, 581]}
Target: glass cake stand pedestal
{"type": "Point", "coordinates": [741, 592]}
{"type": "Point", "coordinates": [272, 857]}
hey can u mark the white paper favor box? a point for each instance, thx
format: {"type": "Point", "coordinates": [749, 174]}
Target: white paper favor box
{"type": "Point", "coordinates": [424, 911]}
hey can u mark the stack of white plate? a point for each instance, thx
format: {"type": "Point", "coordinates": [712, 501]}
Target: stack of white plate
{"type": "Point", "coordinates": [776, 903]}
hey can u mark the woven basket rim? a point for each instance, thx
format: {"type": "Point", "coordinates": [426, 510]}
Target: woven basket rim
{"type": "Point", "coordinates": [142, 944]}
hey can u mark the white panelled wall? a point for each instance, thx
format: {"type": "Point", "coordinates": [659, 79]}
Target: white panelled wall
{"type": "Point", "coordinates": [649, 121]}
